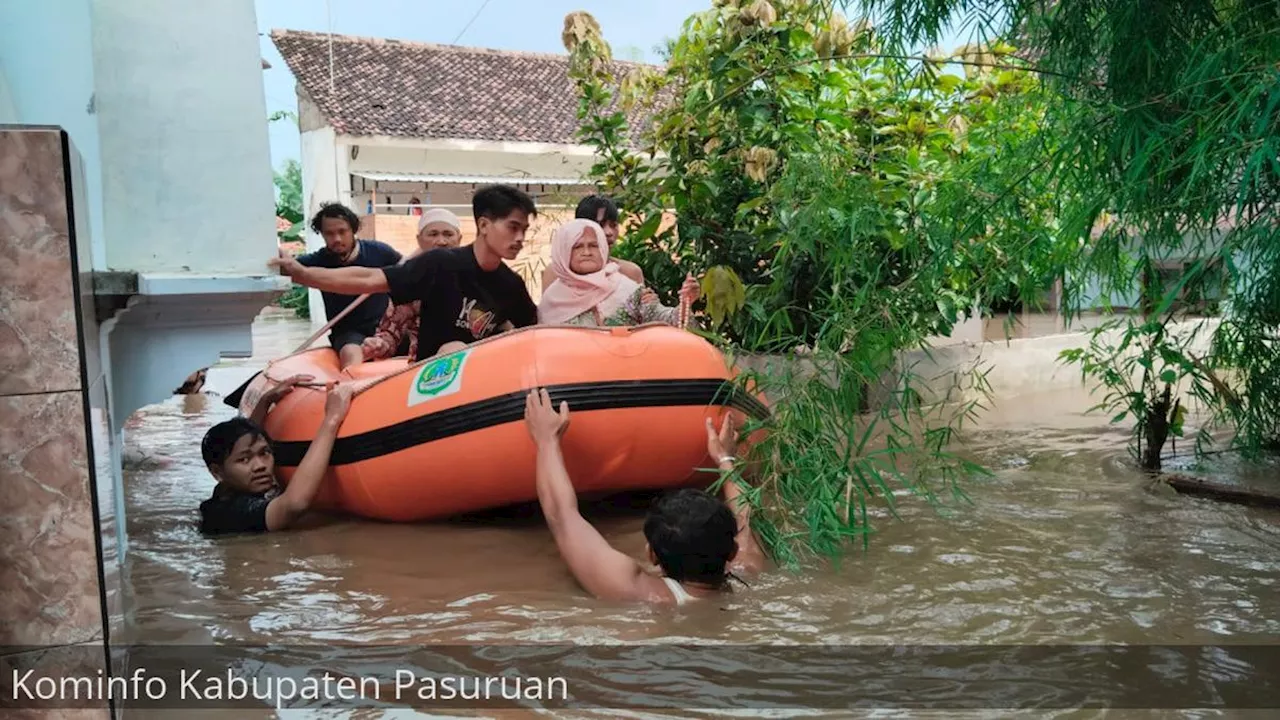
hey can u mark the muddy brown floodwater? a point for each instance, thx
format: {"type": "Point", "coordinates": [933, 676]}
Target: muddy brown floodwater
{"type": "Point", "coordinates": [1063, 545]}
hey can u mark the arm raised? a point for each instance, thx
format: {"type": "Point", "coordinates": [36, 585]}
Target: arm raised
{"type": "Point", "coordinates": [721, 446]}
{"type": "Point", "coordinates": [598, 567]}
{"type": "Point", "coordinates": [297, 498]}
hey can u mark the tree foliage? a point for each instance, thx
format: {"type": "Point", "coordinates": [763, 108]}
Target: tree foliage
{"type": "Point", "coordinates": [1166, 120]}
{"type": "Point", "coordinates": [288, 182]}
{"type": "Point", "coordinates": [816, 182]}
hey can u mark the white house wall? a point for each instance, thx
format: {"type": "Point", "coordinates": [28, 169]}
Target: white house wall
{"type": "Point", "coordinates": [319, 173]}
{"type": "Point", "coordinates": [380, 156]}
{"type": "Point", "coordinates": [185, 155]}
{"type": "Point", "coordinates": [8, 113]}
{"type": "Point", "coordinates": [46, 62]}
{"type": "Point", "coordinates": [319, 185]}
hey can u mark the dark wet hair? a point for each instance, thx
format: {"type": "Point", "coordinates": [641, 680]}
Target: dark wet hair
{"type": "Point", "coordinates": [590, 206]}
{"type": "Point", "coordinates": [220, 438]}
{"type": "Point", "coordinates": [498, 201]}
{"type": "Point", "coordinates": [338, 211]}
{"type": "Point", "coordinates": [693, 535]}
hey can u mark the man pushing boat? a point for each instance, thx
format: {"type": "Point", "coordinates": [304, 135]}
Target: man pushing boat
{"type": "Point", "coordinates": [695, 538]}
{"type": "Point", "coordinates": [465, 293]}
{"type": "Point", "coordinates": [239, 455]}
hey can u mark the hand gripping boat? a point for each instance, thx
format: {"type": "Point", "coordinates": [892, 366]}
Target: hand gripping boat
{"type": "Point", "coordinates": [446, 435]}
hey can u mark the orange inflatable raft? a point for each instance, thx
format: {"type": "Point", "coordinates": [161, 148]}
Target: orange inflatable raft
{"type": "Point", "coordinates": [446, 435]}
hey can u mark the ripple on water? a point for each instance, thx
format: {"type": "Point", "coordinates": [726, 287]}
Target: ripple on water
{"type": "Point", "coordinates": [1064, 545]}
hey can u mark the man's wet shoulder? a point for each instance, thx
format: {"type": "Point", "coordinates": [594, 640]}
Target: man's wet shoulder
{"type": "Point", "coordinates": [229, 511]}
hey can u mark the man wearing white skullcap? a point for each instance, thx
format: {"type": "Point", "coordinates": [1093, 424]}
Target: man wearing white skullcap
{"type": "Point", "coordinates": [437, 228]}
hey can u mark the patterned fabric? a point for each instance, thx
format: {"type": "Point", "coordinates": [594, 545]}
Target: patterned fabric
{"type": "Point", "coordinates": [631, 312]}
{"type": "Point", "coordinates": [398, 322]}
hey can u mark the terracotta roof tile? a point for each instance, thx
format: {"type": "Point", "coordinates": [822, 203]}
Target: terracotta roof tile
{"type": "Point", "coordinates": [408, 89]}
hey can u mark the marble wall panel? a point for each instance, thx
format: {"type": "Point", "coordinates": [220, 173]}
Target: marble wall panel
{"type": "Point", "coordinates": [39, 349]}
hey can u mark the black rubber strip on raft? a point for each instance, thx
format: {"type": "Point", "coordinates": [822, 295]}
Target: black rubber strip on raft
{"type": "Point", "coordinates": [507, 408]}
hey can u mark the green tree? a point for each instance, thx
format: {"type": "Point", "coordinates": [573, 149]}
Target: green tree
{"type": "Point", "coordinates": [1166, 136]}
{"type": "Point", "coordinates": [814, 182]}
{"type": "Point", "coordinates": [288, 182]}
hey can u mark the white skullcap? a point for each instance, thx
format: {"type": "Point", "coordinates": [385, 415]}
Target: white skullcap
{"type": "Point", "coordinates": [435, 215]}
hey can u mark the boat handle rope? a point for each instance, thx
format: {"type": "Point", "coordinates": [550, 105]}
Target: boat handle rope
{"type": "Point", "coordinates": [365, 384]}
{"type": "Point", "coordinates": [316, 335]}
{"type": "Point", "coordinates": [683, 321]}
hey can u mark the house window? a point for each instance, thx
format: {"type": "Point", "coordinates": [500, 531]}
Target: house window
{"type": "Point", "coordinates": [1200, 294]}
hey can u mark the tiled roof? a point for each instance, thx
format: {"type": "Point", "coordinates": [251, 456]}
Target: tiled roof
{"type": "Point", "coordinates": [408, 89]}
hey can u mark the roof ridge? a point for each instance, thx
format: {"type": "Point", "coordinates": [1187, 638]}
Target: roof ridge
{"type": "Point", "coordinates": [277, 33]}
{"type": "Point", "coordinates": [414, 89]}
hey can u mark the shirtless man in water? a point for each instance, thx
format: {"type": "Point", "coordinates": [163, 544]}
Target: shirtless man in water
{"type": "Point", "coordinates": [697, 539]}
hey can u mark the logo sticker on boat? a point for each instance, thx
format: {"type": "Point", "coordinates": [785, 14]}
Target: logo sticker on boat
{"type": "Point", "coordinates": [440, 377]}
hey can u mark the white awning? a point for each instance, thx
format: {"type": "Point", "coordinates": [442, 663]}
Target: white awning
{"type": "Point", "coordinates": [466, 179]}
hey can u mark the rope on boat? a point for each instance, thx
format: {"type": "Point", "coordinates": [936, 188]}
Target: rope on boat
{"type": "Point", "coordinates": [316, 335]}
{"type": "Point", "coordinates": [364, 384]}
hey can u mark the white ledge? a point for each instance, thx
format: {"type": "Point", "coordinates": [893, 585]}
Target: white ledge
{"type": "Point", "coordinates": [199, 284]}
{"type": "Point", "coordinates": [175, 324]}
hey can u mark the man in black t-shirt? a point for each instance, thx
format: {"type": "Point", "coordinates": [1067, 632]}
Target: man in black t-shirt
{"type": "Point", "coordinates": [466, 293]}
{"type": "Point", "coordinates": [338, 225]}
{"type": "Point", "coordinates": [238, 454]}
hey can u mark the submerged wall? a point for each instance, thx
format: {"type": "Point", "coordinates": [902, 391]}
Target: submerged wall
{"type": "Point", "coordinates": [1013, 368]}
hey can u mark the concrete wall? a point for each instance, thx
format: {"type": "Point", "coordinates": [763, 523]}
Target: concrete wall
{"type": "Point", "coordinates": [1013, 368]}
{"type": "Point", "coordinates": [454, 196]}
{"type": "Point", "coordinates": [8, 112]}
{"type": "Point", "coordinates": [320, 184]}
{"type": "Point", "coordinates": [185, 158]}
{"type": "Point", "coordinates": [46, 56]}
{"type": "Point", "coordinates": [466, 157]}
{"type": "Point", "coordinates": [400, 232]}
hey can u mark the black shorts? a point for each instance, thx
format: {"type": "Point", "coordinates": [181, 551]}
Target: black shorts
{"type": "Point", "coordinates": [340, 338]}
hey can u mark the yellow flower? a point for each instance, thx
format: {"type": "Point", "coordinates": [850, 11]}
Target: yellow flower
{"type": "Point", "coordinates": [838, 38]}
{"type": "Point", "coordinates": [823, 44]}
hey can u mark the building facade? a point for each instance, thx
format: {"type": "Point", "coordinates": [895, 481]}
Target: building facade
{"type": "Point", "coordinates": [156, 204]}
{"type": "Point", "coordinates": [391, 127]}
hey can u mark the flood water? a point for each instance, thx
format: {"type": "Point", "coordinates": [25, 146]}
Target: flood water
{"type": "Point", "coordinates": [1064, 545]}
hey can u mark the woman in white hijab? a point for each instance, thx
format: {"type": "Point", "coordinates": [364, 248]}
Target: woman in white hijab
{"type": "Point", "coordinates": [589, 289]}
{"type": "Point", "coordinates": [437, 228]}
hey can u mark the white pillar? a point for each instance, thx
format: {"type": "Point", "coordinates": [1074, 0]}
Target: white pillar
{"type": "Point", "coordinates": [8, 111]}
{"type": "Point", "coordinates": [319, 185]}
